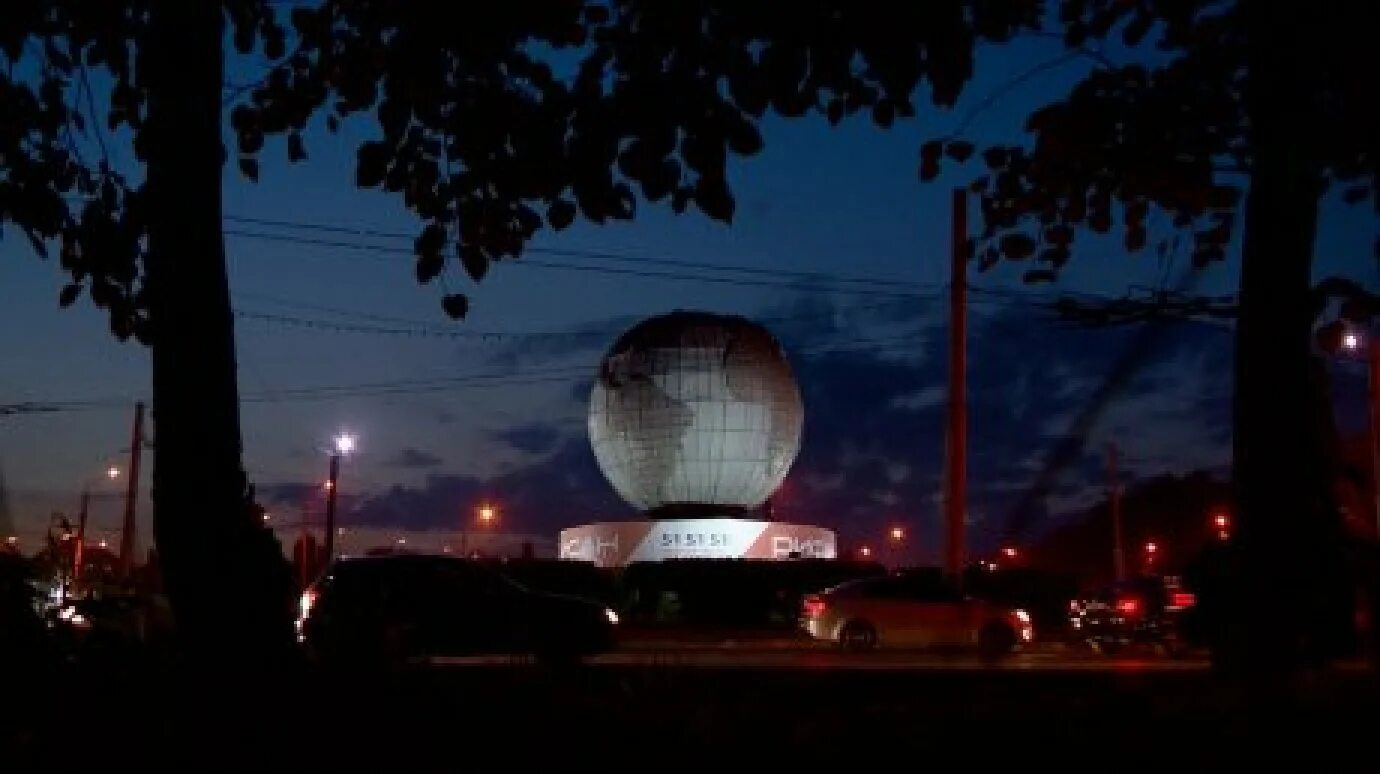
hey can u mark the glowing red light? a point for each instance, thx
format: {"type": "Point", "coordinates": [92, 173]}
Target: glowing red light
{"type": "Point", "coordinates": [1151, 547]}
{"type": "Point", "coordinates": [1221, 521]}
{"type": "Point", "coordinates": [1182, 599]}
{"type": "Point", "coordinates": [1128, 606]}
{"type": "Point", "coordinates": [1009, 552]}
{"type": "Point", "coordinates": [813, 606]}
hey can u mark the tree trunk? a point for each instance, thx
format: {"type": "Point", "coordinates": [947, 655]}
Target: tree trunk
{"type": "Point", "coordinates": [224, 584]}
{"type": "Point", "coordinates": [1287, 534]}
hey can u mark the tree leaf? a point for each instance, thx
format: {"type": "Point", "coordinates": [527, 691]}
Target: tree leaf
{"type": "Point", "coordinates": [560, 214]}
{"type": "Point", "coordinates": [457, 305]}
{"type": "Point", "coordinates": [474, 260]}
{"type": "Point", "coordinates": [372, 159]}
{"type": "Point", "coordinates": [249, 167]}
{"type": "Point", "coordinates": [744, 138]}
{"type": "Point", "coordinates": [1017, 246]}
{"type": "Point", "coordinates": [36, 241]}
{"type": "Point", "coordinates": [959, 150]}
{"type": "Point", "coordinates": [429, 266]}
{"type": "Point", "coordinates": [296, 150]}
{"type": "Point", "coordinates": [714, 199]}
{"type": "Point", "coordinates": [69, 294]}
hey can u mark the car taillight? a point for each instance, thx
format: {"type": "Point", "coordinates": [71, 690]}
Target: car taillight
{"type": "Point", "coordinates": [813, 606]}
{"type": "Point", "coordinates": [1128, 606]}
{"type": "Point", "coordinates": [1182, 599]}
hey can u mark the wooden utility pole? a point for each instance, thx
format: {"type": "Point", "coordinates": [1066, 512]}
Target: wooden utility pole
{"type": "Point", "coordinates": [1114, 501]}
{"type": "Point", "coordinates": [956, 442]}
{"type": "Point", "coordinates": [79, 553]}
{"type": "Point", "coordinates": [129, 529]}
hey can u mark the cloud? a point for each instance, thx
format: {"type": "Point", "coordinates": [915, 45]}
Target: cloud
{"type": "Point", "coordinates": [408, 457]}
{"type": "Point", "coordinates": [534, 438]}
{"type": "Point", "coordinates": [563, 489]}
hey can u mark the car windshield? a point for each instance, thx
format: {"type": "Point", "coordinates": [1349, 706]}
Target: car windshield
{"type": "Point", "coordinates": [450, 572]}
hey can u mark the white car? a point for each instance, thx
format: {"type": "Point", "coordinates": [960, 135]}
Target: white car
{"type": "Point", "coordinates": [912, 611]}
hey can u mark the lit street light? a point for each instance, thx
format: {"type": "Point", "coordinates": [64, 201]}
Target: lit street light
{"type": "Point", "coordinates": [343, 444]}
{"type": "Point", "coordinates": [1355, 342]}
{"type": "Point", "coordinates": [79, 554]}
{"type": "Point", "coordinates": [1221, 521]}
{"type": "Point", "coordinates": [865, 552]}
{"type": "Point", "coordinates": [1010, 552]}
{"type": "Point", "coordinates": [898, 534]}
{"type": "Point", "coordinates": [485, 515]}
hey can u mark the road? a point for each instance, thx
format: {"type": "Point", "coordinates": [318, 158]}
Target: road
{"type": "Point", "coordinates": [803, 656]}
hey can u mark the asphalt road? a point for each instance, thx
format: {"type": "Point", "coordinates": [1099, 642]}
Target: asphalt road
{"type": "Point", "coordinates": [1047, 658]}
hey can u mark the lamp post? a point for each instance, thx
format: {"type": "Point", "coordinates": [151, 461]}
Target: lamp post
{"type": "Point", "coordinates": [485, 515]}
{"type": "Point", "coordinates": [896, 536]}
{"type": "Point", "coordinates": [1152, 550]}
{"type": "Point", "coordinates": [1357, 343]}
{"type": "Point", "coordinates": [342, 445]}
{"type": "Point", "coordinates": [79, 553]}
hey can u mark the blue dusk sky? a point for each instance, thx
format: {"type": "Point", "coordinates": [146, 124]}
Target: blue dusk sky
{"type": "Point", "coordinates": [493, 407]}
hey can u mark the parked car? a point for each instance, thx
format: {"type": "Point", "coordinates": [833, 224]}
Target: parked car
{"type": "Point", "coordinates": [405, 607]}
{"type": "Point", "coordinates": [917, 610]}
{"type": "Point", "coordinates": [1155, 611]}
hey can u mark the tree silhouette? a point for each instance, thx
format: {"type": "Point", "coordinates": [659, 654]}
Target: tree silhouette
{"type": "Point", "coordinates": [1225, 112]}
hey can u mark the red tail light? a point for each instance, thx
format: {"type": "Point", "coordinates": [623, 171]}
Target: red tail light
{"type": "Point", "coordinates": [1182, 599]}
{"type": "Point", "coordinates": [813, 606]}
{"type": "Point", "coordinates": [1128, 606]}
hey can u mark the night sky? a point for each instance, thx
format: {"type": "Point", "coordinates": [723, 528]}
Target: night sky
{"type": "Point", "coordinates": [508, 425]}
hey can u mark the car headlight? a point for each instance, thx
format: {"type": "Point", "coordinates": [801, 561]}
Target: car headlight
{"type": "Point", "coordinates": [611, 616]}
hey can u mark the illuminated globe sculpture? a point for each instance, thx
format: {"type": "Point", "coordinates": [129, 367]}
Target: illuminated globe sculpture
{"type": "Point", "coordinates": [695, 419]}
{"type": "Point", "coordinates": [695, 411]}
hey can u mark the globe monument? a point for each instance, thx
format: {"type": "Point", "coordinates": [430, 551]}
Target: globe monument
{"type": "Point", "coordinates": [695, 419]}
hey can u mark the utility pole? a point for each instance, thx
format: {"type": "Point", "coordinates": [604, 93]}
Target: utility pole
{"type": "Point", "coordinates": [80, 551]}
{"type": "Point", "coordinates": [1114, 500]}
{"type": "Point", "coordinates": [956, 441]}
{"type": "Point", "coordinates": [1373, 388]}
{"type": "Point", "coordinates": [128, 529]}
{"type": "Point", "coordinates": [331, 484]}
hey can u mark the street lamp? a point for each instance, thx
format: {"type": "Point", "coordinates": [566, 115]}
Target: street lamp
{"type": "Point", "coordinates": [1355, 342]}
{"type": "Point", "coordinates": [865, 552]}
{"type": "Point", "coordinates": [1221, 522]}
{"type": "Point", "coordinates": [1152, 550]}
{"type": "Point", "coordinates": [342, 445]}
{"type": "Point", "coordinates": [485, 515]}
{"type": "Point", "coordinates": [1010, 552]}
{"type": "Point", "coordinates": [79, 553]}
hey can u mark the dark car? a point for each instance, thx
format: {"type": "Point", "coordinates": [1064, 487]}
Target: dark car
{"type": "Point", "coordinates": [400, 608]}
{"type": "Point", "coordinates": [1153, 610]}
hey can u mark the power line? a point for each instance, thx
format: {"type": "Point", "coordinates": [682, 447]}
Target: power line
{"type": "Point", "coordinates": [880, 282]}
{"type": "Point", "coordinates": [442, 384]}
{"type": "Point", "coordinates": [612, 270]}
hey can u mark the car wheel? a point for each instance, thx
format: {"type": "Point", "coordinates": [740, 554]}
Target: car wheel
{"type": "Point", "coordinates": [858, 635]}
{"type": "Point", "coordinates": [996, 640]}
